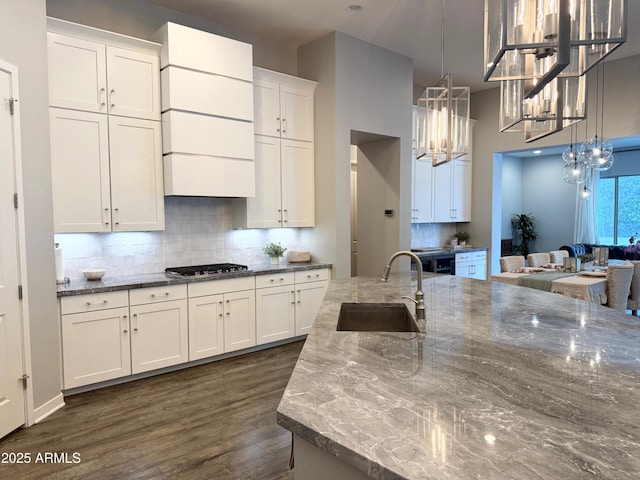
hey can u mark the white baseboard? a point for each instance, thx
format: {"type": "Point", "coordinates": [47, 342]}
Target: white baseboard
{"type": "Point", "coordinates": [53, 405]}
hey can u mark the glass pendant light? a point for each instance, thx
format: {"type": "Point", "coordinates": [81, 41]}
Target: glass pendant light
{"type": "Point", "coordinates": [446, 118]}
{"type": "Point", "coordinates": [597, 151]}
{"type": "Point", "coordinates": [575, 170]}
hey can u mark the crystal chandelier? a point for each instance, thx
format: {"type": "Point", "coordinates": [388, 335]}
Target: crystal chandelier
{"type": "Point", "coordinates": [445, 122]}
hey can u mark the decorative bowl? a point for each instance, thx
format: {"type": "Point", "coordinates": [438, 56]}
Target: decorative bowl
{"type": "Point", "coordinates": [93, 274]}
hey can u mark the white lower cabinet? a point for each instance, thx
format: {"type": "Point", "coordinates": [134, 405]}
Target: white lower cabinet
{"type": "Point", "coordinates": [275, 307]}
{"type": "Point", "coordinates": [472, 265]}
{"type": "Point", "coordinates": [222, 316]}
{"type": "Point", "coordinates": [310, 288]}
{"type": "Point", "coordinates": [95, 338]}
{"type": "Point", "coordinates": [159, 328]}
{"type": "Point", "coordinates": [110, 335]}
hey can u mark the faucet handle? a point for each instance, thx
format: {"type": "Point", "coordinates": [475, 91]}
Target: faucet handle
{"type": "Point", "coordinates": [411, 298]}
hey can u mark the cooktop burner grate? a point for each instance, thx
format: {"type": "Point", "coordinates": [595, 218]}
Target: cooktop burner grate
{"type": "Point", "coordinates": [206, 269]}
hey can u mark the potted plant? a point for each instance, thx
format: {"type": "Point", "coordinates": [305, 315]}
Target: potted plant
{"type": "Point", "coordinates": [524, 226]}
{"type": "Point", "coordinates": [462, 237]}
{"type": "Point", "coordinates": [275, 251]}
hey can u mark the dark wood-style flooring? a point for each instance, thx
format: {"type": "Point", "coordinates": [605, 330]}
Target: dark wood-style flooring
{"type": "Point", "coordinates": [213, 422]}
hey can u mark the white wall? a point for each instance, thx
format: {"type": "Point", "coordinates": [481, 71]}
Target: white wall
{"type": "Point", "coordinates": [364, 88]}
{"type": "Point", "coordinates": [23, 43]}
{"type": "Point", "coordinates": [511, 192]}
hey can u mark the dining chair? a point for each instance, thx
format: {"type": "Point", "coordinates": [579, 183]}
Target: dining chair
{"type": "Point", "coordinates": [619, 285]}
{"type": "Point", "coordinates": [538, 259]}
{"type": "Point", "coordinates": [633, 302]}
{"type": "Point", "coordinates": [557, 255]}
{"type": "Point", "coordinates": [511, 263]}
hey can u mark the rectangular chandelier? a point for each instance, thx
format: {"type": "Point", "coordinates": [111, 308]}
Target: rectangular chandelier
{"type": "Point", "coordinates": [562, 102]}
{"type": "Point", "coordinates": [444, 123]}
{"type": "Point", "coordinates": [537, 40]}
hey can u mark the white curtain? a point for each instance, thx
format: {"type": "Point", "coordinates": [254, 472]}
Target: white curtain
{"type": "Point", "coordinates": [585, 228]}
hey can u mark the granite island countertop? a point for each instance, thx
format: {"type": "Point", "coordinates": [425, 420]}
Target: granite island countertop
{"type": "Point", "coordinates": [80, 286]}
{"type": "Point", "coordinates": [503, 382]}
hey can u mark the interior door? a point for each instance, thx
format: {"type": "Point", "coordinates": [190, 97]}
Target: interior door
{"type": "Point", "coordinates": [12, 396]}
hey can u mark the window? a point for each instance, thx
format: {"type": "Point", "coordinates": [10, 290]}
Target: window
{"type": "Point", "coordinates": [618, 210]}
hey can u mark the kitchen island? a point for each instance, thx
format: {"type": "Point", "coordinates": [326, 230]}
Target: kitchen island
{"type": "Point", "coordinates": [502, 382]}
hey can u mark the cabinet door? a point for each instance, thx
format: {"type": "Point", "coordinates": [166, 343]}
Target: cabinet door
{"type": "Point", "coordinates": [133, 83]}
{"type": "Point", "coordinates": [479, 270]}
{"type": "Point", "coordinates": [80, 171]}
{"type": "Point", "coordinates": [239, 320]}
{"type": "Point", "coordinates": [298, 194]}
{"type": "Point", "coordinates": [265, 209]}
{"type": "Point", "coordinates": [464, 269]}
{"type": "Point", "coordinates": [159, 335]}
{"type": "Point", "coordinates": [266, 107]}
{"type": "Point", "coordinates": [296, 111]}
{"type": "Point", "coordinates": [275, 313]}
{"type": "Point", "coordinates": [422, 192]}
{"type": "Point", "coordinates": [309, 297]}
{"type": "Point", "coordinates": [442, 193]}
{"type": "Point", "coordinates": [77, 73]}
{"type": "Point", "coordinates": [206, 326]}
{"type": "Point", "coordinates": [95, 346]}
{"type": "Point", "coordinates": [461, 190]}
{"type": "Point", "coordinates": [137, 195]}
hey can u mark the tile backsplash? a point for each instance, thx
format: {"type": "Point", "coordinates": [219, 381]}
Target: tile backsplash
{"type": "Point", "coordinates": [431, 234]}
{"type": "Point", "coordinates": [198, 230]}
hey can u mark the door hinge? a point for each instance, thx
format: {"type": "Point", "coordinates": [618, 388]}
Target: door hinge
{"type": "Point", "coordinates": [19, 292]}
{"type": "Point", "coordinates": [24, 380]}
{"type": "Point", "coordinates": [15, 200]}
{"type": "Point", "coordinates": [12, 102]}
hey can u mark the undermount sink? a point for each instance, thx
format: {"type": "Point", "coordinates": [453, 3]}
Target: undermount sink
{"type": "Point", "coordinates": [376, 317]}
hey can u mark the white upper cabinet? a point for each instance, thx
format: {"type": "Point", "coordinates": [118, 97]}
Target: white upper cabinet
{"type": "Point", "coordinates": [283, 105]}
{"type": "Point", "coordinates": [422, 179]}
{"type": "Point", "coordinates": [452, 191]}
{"type": "Point", "coordinates": [106, 145]}
{"type": "Point", "coordinates": [107, 173]}
{"type": "Point", "coordinates": [94, 77]}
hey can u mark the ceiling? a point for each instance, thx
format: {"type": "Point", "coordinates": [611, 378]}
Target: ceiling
{"type": "Point", "coordinates": [408, 27]}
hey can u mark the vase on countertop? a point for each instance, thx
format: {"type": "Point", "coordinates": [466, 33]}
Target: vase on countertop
{"type": "Point", "coordinates": [275, 261]}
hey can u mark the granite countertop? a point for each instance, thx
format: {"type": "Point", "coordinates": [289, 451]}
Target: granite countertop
{"type": "Point", "coordinates": [111, 284]}
{"type": "Point", "coordinates": [503, 382]}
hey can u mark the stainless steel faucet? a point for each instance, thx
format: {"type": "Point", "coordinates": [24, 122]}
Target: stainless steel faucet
{"type": "Point", "coordinates": [419, 300]}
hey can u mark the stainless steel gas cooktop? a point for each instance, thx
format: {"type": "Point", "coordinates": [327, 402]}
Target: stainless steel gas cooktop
{"type": "Point", "coordinates": [206, 269]}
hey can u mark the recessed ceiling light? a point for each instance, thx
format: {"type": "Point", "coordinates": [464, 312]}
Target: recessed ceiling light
{"type": "Point", "coordinates": [537, 152]}
{"type": "Point", "coordinates": [354, 8]}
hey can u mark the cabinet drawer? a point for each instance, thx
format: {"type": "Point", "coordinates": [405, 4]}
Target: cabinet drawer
{"type": "Point", "coordinates": [216, 287]}
{"type": "Point", "coordinates": [206, 93]}
{"type": "Point", "coordinates": [141, 296]}
{"type": "Point", "coordinates": [275, 279]}
{"type": "Point", "coordinates": [312, 275]}
{"type": "Point", "coordinates": [94, 301]}
{"type": "Point", "coordinates": [479, 255]}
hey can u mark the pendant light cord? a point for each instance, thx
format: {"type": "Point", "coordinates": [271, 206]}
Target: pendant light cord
{"type": "Point", "coordinates": [442, 39]}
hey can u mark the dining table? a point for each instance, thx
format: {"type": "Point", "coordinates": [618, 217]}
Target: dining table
{"type": "Point", "coordinates": [590, 286]}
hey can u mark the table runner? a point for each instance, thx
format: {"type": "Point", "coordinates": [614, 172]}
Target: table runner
{"type": "Point", "coordinates": [541, 281]}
